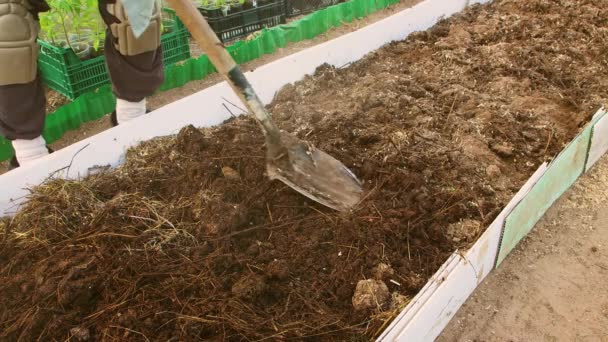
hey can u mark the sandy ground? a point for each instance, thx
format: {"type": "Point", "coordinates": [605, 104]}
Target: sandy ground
{"type": "Point", "coordinates": [553, 286]}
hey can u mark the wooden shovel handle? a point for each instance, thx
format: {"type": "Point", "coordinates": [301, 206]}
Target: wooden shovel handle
{"type": "Point", "coordinates": [223, 62]}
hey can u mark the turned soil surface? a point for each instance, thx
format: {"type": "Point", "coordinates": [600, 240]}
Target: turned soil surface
{"type": "Point", "coordinates": [189, 241]}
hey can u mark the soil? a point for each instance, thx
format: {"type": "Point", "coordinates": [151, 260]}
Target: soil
{"type": "Point", "coordinates": [552, 287]}
{"type": "Point", "coordinates": [188, 240]}
{"type": "Point", "coordinates": [54, 100]}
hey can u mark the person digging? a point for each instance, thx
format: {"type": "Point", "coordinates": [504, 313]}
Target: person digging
{"type": "Point", "coordinates": [133, 58]}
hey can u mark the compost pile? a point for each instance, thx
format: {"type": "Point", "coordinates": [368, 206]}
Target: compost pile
{"type": "Point", "coordinates": [189, 241]}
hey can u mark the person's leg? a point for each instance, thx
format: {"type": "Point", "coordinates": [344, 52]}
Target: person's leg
{"type": "Point", "coordinates": [22, 113]}
{"type": "Point", "coordinates": [135, 65]}
{"type": "Point", "coordinates": [22, 99]}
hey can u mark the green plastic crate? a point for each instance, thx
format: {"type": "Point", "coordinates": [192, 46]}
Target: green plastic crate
{"type": "Point", "coordinates": [244, 22]}
{"type": "Point", "coordinates": [62, 71]}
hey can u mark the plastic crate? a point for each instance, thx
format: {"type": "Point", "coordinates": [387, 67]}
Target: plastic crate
{"type": "Point", "coordinates": [62, 71]}
{"type": "Point", "coordinates": [299, 7]}
{"type": "Point", "coordinates": [241, 24]}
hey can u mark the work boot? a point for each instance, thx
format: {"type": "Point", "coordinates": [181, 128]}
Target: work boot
{"type": "Point", "coordinates": [13, 164]}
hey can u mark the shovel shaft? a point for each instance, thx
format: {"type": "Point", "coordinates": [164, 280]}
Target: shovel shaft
{"type": "Point", "coordinates": [307, 170]}
{"type": "Point", "coordinates": [223, 62]}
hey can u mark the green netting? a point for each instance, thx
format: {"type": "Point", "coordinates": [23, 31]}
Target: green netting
{"type": "Point", "coordinates": [94, 105]}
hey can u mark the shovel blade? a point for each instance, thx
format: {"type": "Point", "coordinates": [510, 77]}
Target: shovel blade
{"type": "Point", "coordinates": [313, 173]}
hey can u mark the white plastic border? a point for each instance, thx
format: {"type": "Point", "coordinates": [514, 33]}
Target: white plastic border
{"type": "Point", "coordinates": [599, 140]}
{"type": "Point", "coordinates": [431, 310]}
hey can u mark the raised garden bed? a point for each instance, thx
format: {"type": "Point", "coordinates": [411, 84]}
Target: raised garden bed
{"type": "Point", "coordinates": [63, 71]}
{"type": "Point", "coordinates": [242, 22]}
{"type": "Point", "coordinates": [189, 240]}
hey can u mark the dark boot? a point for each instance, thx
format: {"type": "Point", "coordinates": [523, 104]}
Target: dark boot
{"type": "Point", "coordinates": [13, 164]}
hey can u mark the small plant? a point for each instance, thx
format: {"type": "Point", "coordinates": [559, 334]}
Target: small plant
{"type": "Point", "coordinates": [212, 8]}
{"type": "Point", "coordinates": [73, 24]}
{"type": "Point", "coordinates": [91, 22]}
{"type": "Point", "coordinates": [76, 24]}
{"type": "Point", "coordinates": [211, 4]}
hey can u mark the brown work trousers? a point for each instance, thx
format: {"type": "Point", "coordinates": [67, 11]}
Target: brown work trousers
{"type": "Point", "coordinates": [23, 106]}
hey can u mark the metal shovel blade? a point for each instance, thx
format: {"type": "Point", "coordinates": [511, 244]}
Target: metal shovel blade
{"type": "Point", "coordinates": [312, 172]}
{"type": "Point", "coordinates": [298, 164]}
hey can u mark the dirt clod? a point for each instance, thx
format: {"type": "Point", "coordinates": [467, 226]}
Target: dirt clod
{"type": "Point", "coordinates": [464, 231]}
{"type": "Point", "coordinates": [503, 149]}
{"type": "Point", "coordinates": [493, 171]}
{"type": "Point", "coordinates": [370, 294]}
{"type": "Point", "coordinates": [80, 334]}
{"type": "Point", "coordinates": [278, 269]}
{"type": "Point", "coordinates": [398, 301]}
{"type": "Point", "coordinates": [230, 173]}
{"type": "Point", "coordinates": [190, 140]}
{"type": "Point", "coordinates": [249, 287]}
{"type": "Point", "coordinates": [382, 270]}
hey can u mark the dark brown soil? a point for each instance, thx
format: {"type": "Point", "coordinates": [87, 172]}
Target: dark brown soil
{"type": "Point", "coordinates": [189, 241]}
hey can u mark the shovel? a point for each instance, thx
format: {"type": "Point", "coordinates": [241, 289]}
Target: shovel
{"type": "Point", "coordinates": [297, 163]}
